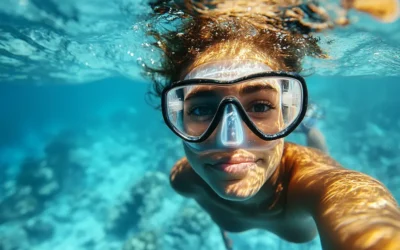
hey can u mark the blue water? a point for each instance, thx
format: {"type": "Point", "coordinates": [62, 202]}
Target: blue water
{"type": "Point", "coordinates": [84, 158]}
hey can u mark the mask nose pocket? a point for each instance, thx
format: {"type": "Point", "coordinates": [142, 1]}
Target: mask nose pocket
{"type": "Point", "coordinates": [231, 131]}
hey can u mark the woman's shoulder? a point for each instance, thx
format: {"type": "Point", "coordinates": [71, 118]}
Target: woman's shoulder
{"type": "Point", "coordinates": [295, 154]}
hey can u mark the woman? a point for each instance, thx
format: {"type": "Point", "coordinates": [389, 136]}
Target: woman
{"type": "Point", "coordinates": [229, 91]}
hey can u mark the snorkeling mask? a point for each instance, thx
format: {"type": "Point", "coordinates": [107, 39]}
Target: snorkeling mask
{"type": "Point", "coordinates": [234, 104]}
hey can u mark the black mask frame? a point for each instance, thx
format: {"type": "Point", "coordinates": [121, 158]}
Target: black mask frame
{"type": "Point", "coordinates": [233, 100]}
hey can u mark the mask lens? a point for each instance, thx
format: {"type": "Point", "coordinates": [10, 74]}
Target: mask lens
{"type": "Point", "coordinates": [272, 104]}
{"type": "Point", "coordinates": [192, 108]}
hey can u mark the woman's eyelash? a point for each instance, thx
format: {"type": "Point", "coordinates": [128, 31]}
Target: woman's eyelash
{"type": "Point", "coordinates": [192, 110]}
{"type": "Point", "coordinates": [269, 104]}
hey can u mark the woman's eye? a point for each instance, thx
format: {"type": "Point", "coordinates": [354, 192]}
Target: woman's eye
{"type": "Point", "coordinates": [260, 107]}
{"type": "Point", "coordinates": [201, 111]}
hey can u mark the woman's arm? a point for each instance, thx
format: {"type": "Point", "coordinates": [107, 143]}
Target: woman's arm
{"type": "Point", "coordinates": [356, 212]}
{"type": "Point", "coordinates": [351, 209]}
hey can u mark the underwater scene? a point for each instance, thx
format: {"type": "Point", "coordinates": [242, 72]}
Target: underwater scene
{"type": "Point", "coordinates": [85, 155]}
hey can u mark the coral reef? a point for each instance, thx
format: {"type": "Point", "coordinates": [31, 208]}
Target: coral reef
{"type": "Point", "coordinates": [190, 229]}
{"type": "Point", "coordinates": [14, 237]}
{"type": "Point", "coordinates": [20, 205]}
{"type": "Point", "coordinates": [39, 230]}
{"type": "Point", "coordinates": [40, 180]}
{"type": "Point", "coordinates": [145, 199]}
{"type": "Point", "coordinates": [170, 149]}
{"type": "Point", "coordinates": [147, 240]}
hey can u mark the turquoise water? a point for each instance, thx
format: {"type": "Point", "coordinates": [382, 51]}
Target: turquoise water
{"type": "Point", "coordinates": [84, 159]}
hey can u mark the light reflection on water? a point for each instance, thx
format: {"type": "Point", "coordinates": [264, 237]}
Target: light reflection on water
{"type": "Point", "coordinates": [75, 42]}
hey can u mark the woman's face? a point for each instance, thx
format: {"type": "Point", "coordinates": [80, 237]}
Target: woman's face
{"type": "Point", "coordinates": [235, 173]}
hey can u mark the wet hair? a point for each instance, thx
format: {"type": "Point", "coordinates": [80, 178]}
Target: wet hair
{"type": "Point", "coordinates": [191, 33]}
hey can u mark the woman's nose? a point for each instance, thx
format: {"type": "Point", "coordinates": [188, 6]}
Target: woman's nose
{"type": "Point", "coordinates": [230, 132]}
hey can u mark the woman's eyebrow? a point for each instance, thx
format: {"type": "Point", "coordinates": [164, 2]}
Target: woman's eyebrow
{"type": "Point", "coordinates": [247, 89]}
{"type": "Point", "coordinates": [200, 93]}
{"type": "Point", "coordinates": [253, 88]}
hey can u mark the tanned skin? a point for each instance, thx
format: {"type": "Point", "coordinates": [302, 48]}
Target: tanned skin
{"type": "Point", "coordinates": [308, 193]}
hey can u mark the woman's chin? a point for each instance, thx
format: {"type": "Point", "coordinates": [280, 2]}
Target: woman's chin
{"type": "Point", "coordinates": [234, 190]}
